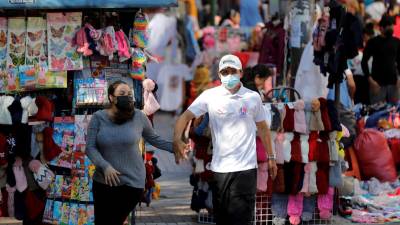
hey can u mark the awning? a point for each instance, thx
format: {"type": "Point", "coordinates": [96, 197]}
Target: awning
{"type": "Point", "coordinates": [81, 4]}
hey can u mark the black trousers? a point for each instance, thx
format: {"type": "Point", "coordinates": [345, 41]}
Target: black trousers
{"type": "Point", "coordinates": [112, 205]}
{"type": "Point", "coordinates": [234, 197]}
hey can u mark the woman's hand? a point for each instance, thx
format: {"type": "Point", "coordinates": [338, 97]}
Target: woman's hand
{"type": "Point", "coordinates": [111, 176]}
{"type": "Point", "coordinates": [180, 149]}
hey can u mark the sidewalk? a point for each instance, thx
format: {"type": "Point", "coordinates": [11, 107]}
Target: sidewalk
{"type": "Point", "coordinates": [173, 207]}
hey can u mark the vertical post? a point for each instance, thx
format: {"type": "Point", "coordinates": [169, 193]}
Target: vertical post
{"type": "Point", "coordinates": [213, 11]}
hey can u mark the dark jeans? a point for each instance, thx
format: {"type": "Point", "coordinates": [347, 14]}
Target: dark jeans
{"type": "Point", "coordinates": [234, 197]}
{"type": "Point", "coordinates": [112, 205]}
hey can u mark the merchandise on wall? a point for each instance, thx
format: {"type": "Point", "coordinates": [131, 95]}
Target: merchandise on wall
{"type": "Point", "coordinates": [54, 74]}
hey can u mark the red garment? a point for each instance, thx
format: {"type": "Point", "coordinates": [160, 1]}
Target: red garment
{"type": "Point", "coordinates": [322, 177]}
{"type": "Point", "coordinates": [323, 148]}
{"type": "Point", "coordinates": [50, 148]}
{"type": "Point", "coordinates": [244, 58]}
{"type": "Point", "coordinates": [279, 182]}
{"type": "Point", "coordinates": [296, 149]}
{"type": "Point", "coordinates": [325, 114]}
{"type": "Point", "coordinates": [45, 109]}
{"type": "Point", "coordinates": [288, 122]}
{"type": "Point", "coordinates": [273, 46]}
{"type": "Point", "coordinates": [3, 150]}
{"type": "Point", "coordinates": [34, 205]}
{"type": "Point", "coordinates": [3, 204]}
{"type": "Point", "coordinates": [396, 28]}
{"type": "Point", "coordinates": [313, 143]}
{"type": "Point", "coordinates": [207, 175]}
{"type": "Point", "coordinates": [149, 175]}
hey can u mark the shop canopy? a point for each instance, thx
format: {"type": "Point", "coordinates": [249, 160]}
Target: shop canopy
{"type": "Point", "coordinates": [80, 4]}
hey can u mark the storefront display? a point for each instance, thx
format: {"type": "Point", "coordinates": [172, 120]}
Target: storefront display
{"type": "Point", "coordinates": [55, 70]}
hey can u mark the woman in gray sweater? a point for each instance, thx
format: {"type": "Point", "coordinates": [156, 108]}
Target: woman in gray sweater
{"type": "Point", "coordinates": [113, 146]}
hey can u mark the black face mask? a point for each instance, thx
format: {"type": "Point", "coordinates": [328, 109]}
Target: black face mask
{"type": "Point", "coordinates": [126, 109]}
{"type": "Point", "coordinates": [124, 103]}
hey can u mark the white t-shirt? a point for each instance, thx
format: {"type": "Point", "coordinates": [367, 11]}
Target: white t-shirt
{"type": "Point", "coordinates": [233, 120]}
{"type": "Point", "coordinates": [170, 80]}
{"type": "Point", "coordinates": [162, 29]}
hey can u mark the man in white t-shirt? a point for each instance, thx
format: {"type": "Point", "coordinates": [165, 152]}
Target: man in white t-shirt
{"type": "Point", "coordinates": [235, 113]}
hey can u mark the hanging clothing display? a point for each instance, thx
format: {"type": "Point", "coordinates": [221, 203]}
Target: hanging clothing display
{"type": "Point", "coordinates": [273, 46]}
{"type": "Point", "coordinates": [309, 81]}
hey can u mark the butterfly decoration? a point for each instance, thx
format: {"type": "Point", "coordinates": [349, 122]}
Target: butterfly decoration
{"type": "Point", "coordinates": [30, 72]}
{"type": "Point", "coordinates": [57, 33]}
{"type": "Point", "coordinates": [73, 55]}
{"type": "Point", "coordinates": [35, 50]}
{"type": "Point", "coordinates": [32, 61]}
{"type": "Point", "coordinates": [3, 53]}
{"type": "Point", "coordinates": [68, 29]}
{"type": "Point", "coordinates": [17, 39]}
{"type": "Point", "coordinates": [57, 64]}
{"type": "Point", "coordinates": [3, 39]}
{"type": "Point", "coordinates": [17, 49]}
{"type": "Point", "coordinates": [35, 36]}
{"type": "Point", "coordinates": [57, 48]}
{"type": "Point", "coordinates": [43, 58]}
{"type": "Point", "coordinates": [17, 60]}
{"type": "Point", "coordinates": [68, 39]}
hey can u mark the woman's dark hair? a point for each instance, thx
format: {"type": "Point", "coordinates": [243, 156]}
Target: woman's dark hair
{"type": "Point", "coordinates": [121, 116]}
{"type": "Point", "coordinates": [112, 87]}
{"type": "Point", "coordinates": [229, 15]}
{"type": "Point", "coordinates": [261, 70]}
{"type": "Point", "coordinates": [249, 75]}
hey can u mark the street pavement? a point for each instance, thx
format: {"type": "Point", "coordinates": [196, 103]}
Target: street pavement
{"type": "Point", "coordinates": [173, 207]}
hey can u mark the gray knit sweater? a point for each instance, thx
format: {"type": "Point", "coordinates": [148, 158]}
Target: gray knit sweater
{"type": "Point", "coordinates": [117, 145]}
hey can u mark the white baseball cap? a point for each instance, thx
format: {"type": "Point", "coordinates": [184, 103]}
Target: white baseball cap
{"type": "Point", "coordinates": [231, 61]}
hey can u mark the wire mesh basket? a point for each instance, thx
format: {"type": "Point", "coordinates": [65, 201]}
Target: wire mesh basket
{"type": "Point", "coordinates": [262, 213]}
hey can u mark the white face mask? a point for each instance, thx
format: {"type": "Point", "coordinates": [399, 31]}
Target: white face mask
{"type": "Point", "coordinates": [230, 81]}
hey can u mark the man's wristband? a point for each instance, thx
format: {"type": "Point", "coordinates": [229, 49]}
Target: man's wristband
{"type": "Point", "coordinates": [271, 157]}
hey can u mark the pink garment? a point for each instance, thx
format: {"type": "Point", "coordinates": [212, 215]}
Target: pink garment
{"type": "Point", "coordinates": [346, 132]}
{"type": "Point", "coordinates": [300, 117]}
{"type": "Point", "coordinates": [306, 180]}
{"type": "Point", "coordinates": [150, 103]}
{"type": "Point", "coordinates": [280, 138]}
{"type": "Point", "coordinates": [261, 154]}
{"type": "Point", "coordinates": [312, 186]}
{"type": "Point", "coordinates": [10, 200]}
{"type": "Point", "coordinates": [295, 208]}
{"type": "Point", "coordinates": [305, 147]}
{"type": "Point", "coordinates": [325, 204]}
{"type": "Point", "coordinates": [82, 43]}
{"type": "Point", "coordinates": [106, 47]}
{"type": "Point", "coordinates": [123, 47]}
{"type": "Point", "coordinates": [287, 147]}
{"type": "Point", "coordinates": [262, 176]}
{"type": "Point", "coordinates": [20, 177]}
